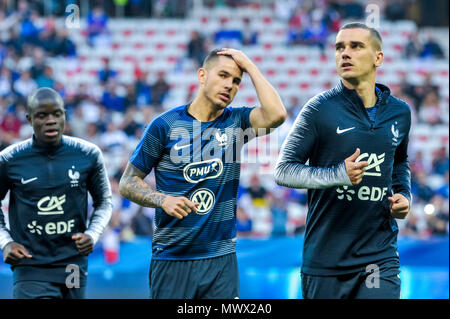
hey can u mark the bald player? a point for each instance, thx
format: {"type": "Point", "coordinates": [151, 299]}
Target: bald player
{"type": "Point", "coordinates": [48, 178]}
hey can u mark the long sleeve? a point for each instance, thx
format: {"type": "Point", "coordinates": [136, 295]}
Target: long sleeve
{"type": "Point", "coordinates": [100, 190]}
{"type": "Point", "coordinates": [401, 175]}
{"type": "Point", "coordinates": [291, 170]}
{"type": "Point", "coordinates": [5, 236]}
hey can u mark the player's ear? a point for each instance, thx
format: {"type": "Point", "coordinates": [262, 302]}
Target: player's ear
{"type": "Point", "coordinates": [379, 57]}
{"type": "Point", "coordinates": [201, 75]}
{"type": "Point", "coordinates": [28, 116]}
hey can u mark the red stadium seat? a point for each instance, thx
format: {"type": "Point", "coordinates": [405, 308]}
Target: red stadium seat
{"type": "Point", "coordinates": [127, 32]}
{"type": "Point", "coordinates": [150, 32]}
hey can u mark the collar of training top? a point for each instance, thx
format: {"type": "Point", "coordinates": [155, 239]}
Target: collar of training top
{"type": "Point", "coordinates": [352, 95]}
{"type": "Point", "coordinates": [48, 149]}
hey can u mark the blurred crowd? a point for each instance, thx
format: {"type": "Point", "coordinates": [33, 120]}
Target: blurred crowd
{"type": "Point", "coordinates": [114, 117]}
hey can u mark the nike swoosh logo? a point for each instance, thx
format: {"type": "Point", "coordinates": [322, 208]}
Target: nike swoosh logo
{"type": "Point", "coordinates": [344, 130]}
{"type": "Point", "coordinates": [28, 180]}
{"type": "Point", "coordinates": [176, 147]}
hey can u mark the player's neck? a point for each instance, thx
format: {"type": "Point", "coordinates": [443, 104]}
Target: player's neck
{"type": "Point", "coordinates": [365, 90]}
{"type": "Point", "coordinates": [203, 110]}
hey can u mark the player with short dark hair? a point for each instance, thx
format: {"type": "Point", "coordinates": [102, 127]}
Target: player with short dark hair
{"type": "Point", "coordinates": [49, 177]}
{"type": "Point", "coordinates": [194, 151]}
{"type": "Point", "coordinates": [353, 196]}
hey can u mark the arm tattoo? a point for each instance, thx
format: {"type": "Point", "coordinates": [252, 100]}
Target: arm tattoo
{"type": "Point", "coordinates": [133, 187]}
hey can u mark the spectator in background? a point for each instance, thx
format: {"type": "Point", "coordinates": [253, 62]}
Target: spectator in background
{"type": "Point", "coordinates": [352, 9]}
{"type": "Point", "coordinates": [443, 190]}
{"type": "Point", "coordinates": [92, 134]}
{"type": "Point", "coordinates": [297, 23]}
{"type": "Point", "coordinates": [332, 18]}
{"type": "Point", "coordinates": [106, 73]}
{"type": "Point", "coordinates": [411, 228]}
{"type": "Point", "coordinates": [113, 140]}
{"type": "Point", "coordinates": [46, 79]}
{"type": "Point", "coordinates": [432, 49]}
{"type": "Point", "coordinates": [142, 224]}
{"type": "Point", "coordinates": [228, 37]}
{"type": "Point", "coordinates": [25, 85]}
{"type": "Point", "coordinates": [420, 188]}
{"type": "Point", "coordinates": [129, 125]}
{"type": "Point", "coordinates": [38, 65]}
{"type": "Point", "coordinates": [97, 31]}
{"type": "Point", "coordinates": [5, 82]}
{"type": "Point", "coordinates": [413, 48]}
{"type": "Point", "coordinates": [249, 35]}
{"type": "Point", "coordinates": [438, 221]}
{"type": "Point", "coordinates": [440, 162]}
{"type": "Point", "coordinates": [395, 10]}
{"type": "Point", "coordinates": [243, 223]}
{"type": "Point", "coordinates": [78, 123]}
{"type": "Point", "coordinates": [429, 111]}
{"type": "Point", "coordinates": [7, 22]}
{"type": "Point", "coordinates": [63, 45]}
{"type": "Point", "coordinates": [196, 48]}
{"type": "Point", "coordinates": [10, 127]}
{"type": "Point", "coordinates": [111, 100]}
{"type": "Point", "coordinates": [143, 90]}
{"type": "Point", "coordinates": [316, 33]}
{"type": "Point", "coordinates": [279, 214]}
{"type": "Point", "coordinates": [159, 90]}
{"type": "Point", "coordinates": [29, 32]}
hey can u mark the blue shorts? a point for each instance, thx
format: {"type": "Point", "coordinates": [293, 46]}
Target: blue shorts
{"type": "Point", "coordinates": [382, 283]}
{"type": "Point", "coordinates": [33, 289]}
{"type": "Point", "coordinates": [211, 278]}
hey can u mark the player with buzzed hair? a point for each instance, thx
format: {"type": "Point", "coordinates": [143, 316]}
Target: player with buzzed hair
{"type": "Point", "coordinates": [49, 177]}
{"type": "Point", "coordinates": [195, 197]}
{"type": "Point", "coordinates": [355, 137]}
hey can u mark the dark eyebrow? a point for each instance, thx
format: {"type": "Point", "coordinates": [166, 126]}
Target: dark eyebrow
{"type": "Point", "coordinates": [357, 42]}
{"type": "Point", "coordinates": [340, 44]}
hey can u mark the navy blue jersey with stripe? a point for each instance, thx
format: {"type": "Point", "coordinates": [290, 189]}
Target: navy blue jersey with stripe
{"type": "Point", "coordinates": [200, 161]}
{"type": "Point", "coordinates": [349, 227]}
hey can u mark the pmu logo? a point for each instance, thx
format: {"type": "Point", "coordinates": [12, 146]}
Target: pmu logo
{"type": "Point", "coordinates": [206, 200]}
{"type": "Point", "coordinates": [199, 171]}
{"type": "Point", "coordinates": [51, 205]}
{"type": "Point", "coordinates": [374, 161]}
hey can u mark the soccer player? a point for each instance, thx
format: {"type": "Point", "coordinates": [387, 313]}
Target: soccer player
{"type": "Point", "coordinates": [48, 177]}
{"type": "Point", "coordinates": [355, 137]}
{"type": "Point", "coordinates": [193, 249]}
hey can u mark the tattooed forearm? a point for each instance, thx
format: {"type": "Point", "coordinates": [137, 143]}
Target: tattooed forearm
{"type": "Point", "coordinates": [133, 187]}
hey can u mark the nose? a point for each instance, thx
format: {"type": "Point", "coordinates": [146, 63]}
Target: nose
{"type": "Point", "coordinates": [345, 54]}
{"type": "Point", "coordinates": [51, 119]}
{"type": "Point", "coordinates": [228, 84]}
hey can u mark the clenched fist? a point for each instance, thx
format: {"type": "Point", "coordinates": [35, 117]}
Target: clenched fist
{"type": "Point", "coordinates": [355, 170]}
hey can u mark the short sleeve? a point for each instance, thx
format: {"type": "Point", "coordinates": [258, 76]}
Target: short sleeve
{"type": "Point", "coordinates": [150, 149]}
{"type": "Point", "coordinates": [242, 114]}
